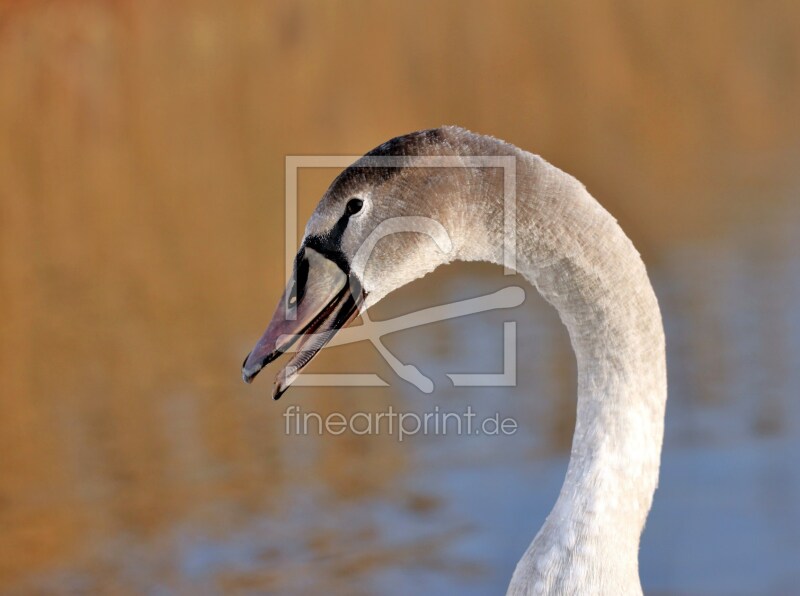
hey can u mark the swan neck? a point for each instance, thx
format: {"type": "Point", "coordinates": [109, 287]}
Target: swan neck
{"type": "Point", "coordinates": [576, 255]}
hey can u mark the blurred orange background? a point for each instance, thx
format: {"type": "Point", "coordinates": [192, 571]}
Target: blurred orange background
{"type": "Point", "coordinates": [142, 150]}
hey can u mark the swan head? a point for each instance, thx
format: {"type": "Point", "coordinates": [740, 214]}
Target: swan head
{"type": "Point", "coordinates": [382, 223]}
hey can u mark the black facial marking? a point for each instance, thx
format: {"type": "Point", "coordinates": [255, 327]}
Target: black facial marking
{"type": "Point", "coordinates": [330, 244]}
{"type": "Point", "coordinates": [301, 275]}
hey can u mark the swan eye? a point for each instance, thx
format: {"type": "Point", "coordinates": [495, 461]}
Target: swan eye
{"type": "Point", "coordinates": [354, 206]}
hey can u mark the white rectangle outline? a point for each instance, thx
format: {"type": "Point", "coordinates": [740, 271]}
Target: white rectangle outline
{"type": "Point", "coordinates": [293, 164]}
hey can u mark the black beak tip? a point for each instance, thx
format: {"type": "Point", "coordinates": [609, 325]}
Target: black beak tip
{"type": "Point", "coordinates": [248, 374]}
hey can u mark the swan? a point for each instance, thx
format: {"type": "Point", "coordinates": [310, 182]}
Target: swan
{"type": "Point", "coordinates": [579, 259]}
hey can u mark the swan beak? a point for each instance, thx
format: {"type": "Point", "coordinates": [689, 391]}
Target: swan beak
{"type": "Point", "coordinates": [320, 299]}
